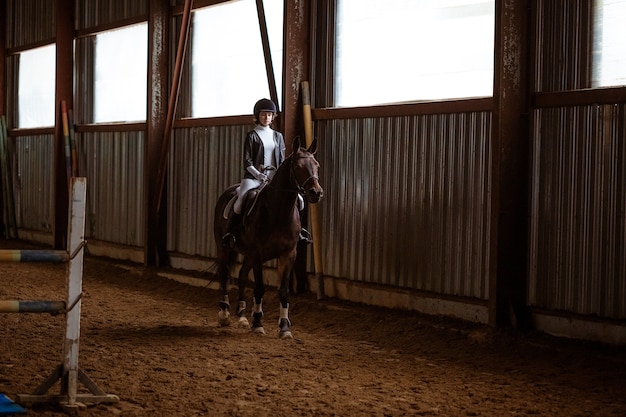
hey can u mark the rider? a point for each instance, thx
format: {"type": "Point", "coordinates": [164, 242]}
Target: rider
{"type": "Point", "coordinates": [263, 152]}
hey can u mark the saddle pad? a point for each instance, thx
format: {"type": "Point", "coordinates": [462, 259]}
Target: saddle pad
{"type": "Point", "coordinates": [8, 407]}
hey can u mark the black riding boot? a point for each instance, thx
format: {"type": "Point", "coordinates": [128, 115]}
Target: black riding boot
{"type": "Point", "coordinates": [305, 236]}
{"type": "Point", "coordinates": [228, 240]}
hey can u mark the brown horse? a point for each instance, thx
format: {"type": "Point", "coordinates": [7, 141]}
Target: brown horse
{"type": "Point", "coordinates": [269, 230]}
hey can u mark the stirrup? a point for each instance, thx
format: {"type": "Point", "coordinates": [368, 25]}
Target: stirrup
{"type": "Point", "coordinates": [305, 236]}
{"type": "Point", "coordinates": [228, 240]}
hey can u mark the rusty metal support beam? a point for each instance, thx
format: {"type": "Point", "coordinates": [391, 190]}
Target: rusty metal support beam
{"type": "Point", "coordinates": [509, 166]}
{"type": "Point", "coordinates": [3, 56]}
{"type": "Point", "coordinates": [158, 80]}
{"type": "Point", "coordinates": [296, 68]}
{"type": "Point", "coordinates": [295, 65]}
{"type": "Point", "coordinates": [63, 92]}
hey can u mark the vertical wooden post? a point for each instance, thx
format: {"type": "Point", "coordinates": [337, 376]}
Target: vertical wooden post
{"type": "Point", "coordinates": [317, 233]}
{"type": "Point", "coordinates": [76, 235]}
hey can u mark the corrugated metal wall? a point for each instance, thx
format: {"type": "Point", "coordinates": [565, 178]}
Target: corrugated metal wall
{"type": "Point", "coordinates": [577, 256]}
{"type": "Point", "coordinates": [203, 163]}
{"type": "Point", "coordinates": [34, 182]}
{"type": "Point", "coordinates": [91, 13]}
{"type": "Point", "coordinates": [114, 165]}
{"type": "Point", "coordinates": [41, 18]}
{"type": "Point", "coordinates": [33, 155]}
{"type": "Point", "coordinates": [578, 219]}
{"type": "Point", "coordinates": [563, 37]}
{"type": "Point", "coordinates": [406, 201]}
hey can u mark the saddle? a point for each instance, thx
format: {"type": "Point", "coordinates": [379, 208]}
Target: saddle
{"type": "Point", "coordinates": [249, 201]}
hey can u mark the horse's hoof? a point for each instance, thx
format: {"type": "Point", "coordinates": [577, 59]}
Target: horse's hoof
{"type": "Point", "coordinates": [223, 318]}
{"type": "Point", "coordinates": [258, 330]}
{"type": "Point", "coordinates": [285, 335]}
{"type": "Point", "coordinates": [243, 323]}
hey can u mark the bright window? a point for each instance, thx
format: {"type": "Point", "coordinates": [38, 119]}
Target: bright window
{"type": "Point", "coordinates": [121, 75]}
{"type": "Point", "coordinates": [609, 43]}
{"type": "Point", "coordinates": [36, 87]}
{"type": "Point", "coordinates": [405, 50]}
{"type": "Point", "coordinates": [228, 67]}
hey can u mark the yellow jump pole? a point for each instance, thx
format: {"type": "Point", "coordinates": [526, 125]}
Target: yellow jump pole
{"type": "Point", "coordinates": [317, 234]}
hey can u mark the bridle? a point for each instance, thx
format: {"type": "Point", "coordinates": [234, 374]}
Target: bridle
{"type": "Point", "coordinates": [300, 187]}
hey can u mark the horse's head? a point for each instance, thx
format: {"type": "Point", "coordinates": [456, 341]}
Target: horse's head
{"type": "Point", "coordinates": [304, 171]}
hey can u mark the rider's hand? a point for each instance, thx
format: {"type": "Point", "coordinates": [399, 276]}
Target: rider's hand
{"type": "Point", "coordinates": [262, 177]}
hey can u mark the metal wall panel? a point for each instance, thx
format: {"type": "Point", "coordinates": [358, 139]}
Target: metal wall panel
{"type": "Point", "coordinates": [406, 201]}
{"type": "Point", "coordinates": [562, 44]}
{"type": "Point", "coordinates": [92, 13]}
{"type": "Point", "coordinates": [578, 218]}
{"type": "Point", "coordinates": [33, 177]}
{"type": "Point", "coordinates": [30, 22]}
{"type": "Point", "coordinates": [114, 165]}
{"type": "Point", "coordinates": [203, 163]}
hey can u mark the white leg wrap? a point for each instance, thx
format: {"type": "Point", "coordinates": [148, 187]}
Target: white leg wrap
{"type": "Point", "coordinates": [242, 306]}
{"type": "Point", "coordinates": [284, 314]}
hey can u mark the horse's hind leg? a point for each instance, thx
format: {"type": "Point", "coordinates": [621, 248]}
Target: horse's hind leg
{"type": "Point", "coordinates": [223, 262]}
{"type": "Point", "coordinates": [259, 292]}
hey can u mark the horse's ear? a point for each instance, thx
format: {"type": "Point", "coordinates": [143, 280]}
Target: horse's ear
{"type": "Point", "coordinates": [295, 144]}
{"type": "Point", "coordinates": [313, 148]}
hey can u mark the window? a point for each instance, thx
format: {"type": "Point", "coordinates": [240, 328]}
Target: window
{"type": "Point", "coordinates": [121, 75]}
{"type": "Point", "coordinates": [404, 50]}
{"type": "Point", "coordinates": [36, 87]}
{"type": "Point", "coordinates": [609, 47]}
{"type": "Point", "coordinates": [228, 67]}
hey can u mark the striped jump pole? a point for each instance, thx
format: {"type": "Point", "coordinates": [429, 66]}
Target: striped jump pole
{"type": "Point", "coordinates": [67, 373]}
{"type": "Point", "coordinates": [28, 255]}
{"type": "Point", "coordinates": [13, 306]}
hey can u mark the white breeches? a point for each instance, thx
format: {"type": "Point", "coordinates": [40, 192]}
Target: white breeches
{"type": "Point", "coordinates": [246, 185]}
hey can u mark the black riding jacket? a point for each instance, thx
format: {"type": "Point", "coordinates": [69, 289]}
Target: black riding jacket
{"type": "Point", "coordinates": [253, 152]}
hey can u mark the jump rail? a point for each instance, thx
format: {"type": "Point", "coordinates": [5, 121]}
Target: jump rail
{"type": "Point", "coordinates": [68, 372]}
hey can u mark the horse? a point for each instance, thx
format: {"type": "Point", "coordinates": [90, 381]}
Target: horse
{"type": "Point", "coordinates": [269, 229]}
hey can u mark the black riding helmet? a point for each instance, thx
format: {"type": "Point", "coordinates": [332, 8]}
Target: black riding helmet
{"type": "Point", "coordinates": [264, 104]}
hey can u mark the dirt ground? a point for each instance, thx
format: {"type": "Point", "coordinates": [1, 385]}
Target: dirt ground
{"type": "Point", "coordinates": [155, 343]}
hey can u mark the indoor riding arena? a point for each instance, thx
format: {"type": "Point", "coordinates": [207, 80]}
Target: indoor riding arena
{"type": "Point", "coordinates": [155, 343]}
{"type": "Point", "coordinates": [313, 208]}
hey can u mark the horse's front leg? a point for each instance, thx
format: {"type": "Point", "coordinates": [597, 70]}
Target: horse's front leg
{"type": "Point", "coordinates": [259, 292]}
{"type": "Point", "coordinates": [285, 266]}
{"type": "Point", "coordinates": [242, 283]}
